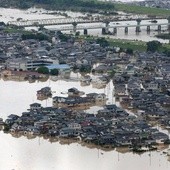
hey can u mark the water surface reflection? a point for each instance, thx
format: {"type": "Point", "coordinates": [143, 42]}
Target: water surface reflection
{"type": "Point", "coordinates": [22, 153]}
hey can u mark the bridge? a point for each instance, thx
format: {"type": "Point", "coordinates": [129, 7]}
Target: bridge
{"type": "Point", "coordinates": [113, 27]}
{"type": "Point", "coordinates": [65, 21]}
{"type": "Point", "coordinates": [75, 21]}
{"type": "Point", "coordinates": [82, 27]}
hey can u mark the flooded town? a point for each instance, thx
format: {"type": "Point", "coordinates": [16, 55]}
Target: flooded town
{"type": "Point", "coordinates": [75, 99]}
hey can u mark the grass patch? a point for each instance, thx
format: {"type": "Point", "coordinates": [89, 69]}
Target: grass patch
{"type": "Point", "coordinates": [124, 44]}
{"type": "Point", "coordinates": [165, 47]}
{"type": "Point", "coordinates": [142, 10]}
{"type": "Point", "coordinates": [15, 30]}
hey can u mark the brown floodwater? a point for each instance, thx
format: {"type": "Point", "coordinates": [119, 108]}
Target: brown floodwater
{"type": "Point", "coordinates": [21, 153]}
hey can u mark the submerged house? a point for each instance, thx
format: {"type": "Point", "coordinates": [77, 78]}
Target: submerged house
{"type": "Point", "coordinates": [120, 90]}
{"type": "Point", "coordinates": [97, 97]}
{"type": "Point", "coordinates": [69, 132]}
{"type": "Point", "coordinates": [73, 92]}
{"type": "Point", "coordinates": [35, 106]}
{"type": "Point", "coordinates": [44, 93]}
{"type": "Point", "coordinates": [71, 101]}
{"type": "Point", "coordinates": [85, 80]}
{"type": "Point", "coordinates": [74, 99]}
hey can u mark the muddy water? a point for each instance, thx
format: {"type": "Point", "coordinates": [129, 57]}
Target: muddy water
{"type": "Point", "coordinates": [38, 13]}
{"type": "Point", "coordinates": [20, 153]}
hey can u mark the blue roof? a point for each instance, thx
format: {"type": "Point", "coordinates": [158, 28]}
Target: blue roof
{"type": "Point", "coordinates": [58, 66]}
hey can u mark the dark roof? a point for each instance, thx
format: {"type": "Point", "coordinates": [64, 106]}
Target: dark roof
{"type": "Point", "coordinates": [35, 104]}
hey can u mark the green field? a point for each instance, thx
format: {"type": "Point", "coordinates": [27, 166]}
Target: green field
{"type": "Point", "coordinates": [15, 30]}
{"type": "Point", "coordinates": [142, 10]}
{"type": "Point", "coordinates": [125, 44]}
{"type": "Point", "coordinates": [135, 45]}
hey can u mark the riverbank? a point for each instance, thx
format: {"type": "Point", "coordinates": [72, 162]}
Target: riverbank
{"type": "Point", "coordinates": [106, 8]}
{"type": "Point", "coordinates": [75, 5]}
{"type": "Point", "coordinates": [142, 10]}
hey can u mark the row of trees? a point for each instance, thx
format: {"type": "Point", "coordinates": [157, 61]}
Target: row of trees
{"type": "Point", "coordinates": [45, 70]}
{"type": "Point", "coordinates": [153, 46]}
{"type": "Point", "coordinates": [76, 5]}
{"type": "Point", "coordinates": [38, 36]}
{"type": "Point", "coordinates": [82, 68]}
{"type": "Point", "coordinates": [83, 4]}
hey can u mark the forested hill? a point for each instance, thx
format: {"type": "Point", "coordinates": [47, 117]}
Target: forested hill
{"type": "Point", "coordinates": [76, 5]}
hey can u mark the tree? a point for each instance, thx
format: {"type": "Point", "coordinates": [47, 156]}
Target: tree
{"type": "Point", "coordinates": [54, 72]}
{"type": "Point", "coordinates": [62, 37]}
{"type": "Point", "coordinates": [112, 73]}
{"type": "Point", "coordinates": [77, 33]}
{"type": "Point", "coordinates": [129, 51]}
{"type": "Point", "coordinates": [103, 42]}
{"type": "Point", "coordinates": [85, 68]}
{"type": "Point", "coordinates": [167, 52]}
{"type": "Point", "coordinates": [153, 46]}
{"type": "Point", "coordinates": [24, 4]}
{"type": "Point", "coordinates": [43, 70]}
{"type": "Point", "coordinates": [41, 27]}
{"type": "Point", "coordinates": [93, 71]}
{"type": "Point", "coordinates": [75, 68]}
{"type": "Point", "coordinates": [38, 36]}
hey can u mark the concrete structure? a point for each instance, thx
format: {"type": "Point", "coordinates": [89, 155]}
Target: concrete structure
{"type": "Point", "coordinates": [114, 27]}
{"type": "Point", "coordinates": [138, 25]}
{"type": "Point", "coordinates": [126, 30]}
{"type": "Point", "coordinates": [114, 30]}
{"type": "Point", "coordinates": [74, 27]}
{"type": "Point", "coordinates": [148, 28]}
{"type": "Point", "coordinates": [97, 24]}
{"type": "Point", "coordinates": [107, 26]}
{"type": "Point", "coordinates": [169, 23]}
{"type": "Point", "coordinates": [159, 28]}
{"type": "Point", "coordinates": [103, 30]}
{"type": "Point", "coordinates": [85, 32]}
{"type": "Point", "coordinates": [26, 64]}
{"type": "Point", "coordinates": [66, 21]}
